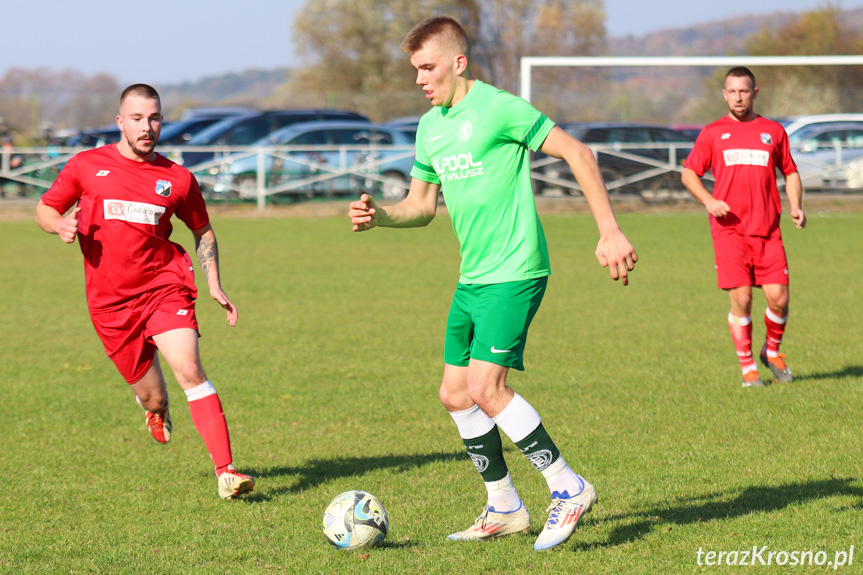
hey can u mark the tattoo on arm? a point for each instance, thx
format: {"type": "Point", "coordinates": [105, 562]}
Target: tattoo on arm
{"type": "Point", "coordinates": [208, 254]}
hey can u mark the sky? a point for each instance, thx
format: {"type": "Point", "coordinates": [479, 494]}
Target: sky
{"type": "Point", "coordinates": [190, 40]}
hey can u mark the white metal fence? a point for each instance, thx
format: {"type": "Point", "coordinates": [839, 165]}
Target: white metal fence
{"type": "Point", "coordinates": [651, 171]}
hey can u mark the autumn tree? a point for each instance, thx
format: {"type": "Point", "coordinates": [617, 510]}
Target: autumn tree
{"type": "Point", "coordinates": [511, 29]}
{"type": "Point", "coordinates": [809, 89]}
{"type": "Point", "coordinates": [354, 61]}
{"type": "Point", "coordinates": [32, 101]}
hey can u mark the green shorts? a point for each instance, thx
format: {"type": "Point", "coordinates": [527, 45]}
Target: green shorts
{"type": "Point", "coordinates": [489, 322]}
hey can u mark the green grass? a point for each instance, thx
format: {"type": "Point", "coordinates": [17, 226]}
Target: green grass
{"type": "Point", "coordinates": [330, 383]}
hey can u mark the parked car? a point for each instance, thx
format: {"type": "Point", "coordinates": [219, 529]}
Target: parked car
{"type": "Point", "coordinates": [831, 156]}
{"type": "Point", "coordinates": [800, 128]}
{"type": "Point", "coordinates": [215, 112]}
{"type": "Point", "coordinates": [691, 130]}
{"type": "Point", "coordinates": [96, 137]}
{"type": "Point", "coordinates": [631, 157]}
{"type": "Point", "coordinates": [180, 132]}
{"type": "Point", "coordinates": [408, 125]}
{"type": "Point", "coordinates": [243, 129]}
{"type": "Point", "coordinates": [385, 154]}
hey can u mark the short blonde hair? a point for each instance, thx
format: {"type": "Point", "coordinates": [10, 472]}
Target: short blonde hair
{"type": "Point", "coordinates": [437, 28]}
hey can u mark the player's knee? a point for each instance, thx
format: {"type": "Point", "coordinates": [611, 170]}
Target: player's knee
{"type": "Point", "coordinates": [450, 399]}
{"type": "Point", "coordinates": [742, 303]}
{"type": "Point", "coordinates": [192, 373]}
{"type": "Point", "coordinates": [454, 396]}
{"type": "Point", "coordinates": [154, 400]}
{"type": "Point", "coordinates": [479, 393]}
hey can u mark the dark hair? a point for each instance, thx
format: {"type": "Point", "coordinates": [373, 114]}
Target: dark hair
{"type": "Point", "coordinates": [433, 28]}
{"type": "Point", "coordinates": [741, 72]}
{"type": "Point", "coordinates": [141, 91]}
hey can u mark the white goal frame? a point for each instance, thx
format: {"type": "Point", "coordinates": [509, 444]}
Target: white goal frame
{"type": "Point", "coordinates": [528, 63]}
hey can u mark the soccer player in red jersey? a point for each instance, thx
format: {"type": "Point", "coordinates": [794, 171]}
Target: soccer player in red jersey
{"type": "Point", "coordinates": [743, 151]}
{"type": "Point", "coordinates": [140, 285]}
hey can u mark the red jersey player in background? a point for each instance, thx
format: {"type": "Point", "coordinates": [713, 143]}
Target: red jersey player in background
{"type": "Point", "coordinates": [140, 285]}
{"type": "Point", "coordinates": [743, 151]}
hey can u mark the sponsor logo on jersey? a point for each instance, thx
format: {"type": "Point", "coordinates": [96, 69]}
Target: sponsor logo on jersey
{"type": "Point", "coordinates": [163, 188]}
{"type": "Point", "coordinates": [743, 157]}
{"type": "Point", "coordinates": [725, 136]}
{"type": "Point", "coordinates": [434, 138]}
{"type": "Point", "coordinates": [464, 131]}
{"type": "Point", "coordinates": [457, 167]}
{"type": "Point", "coordinates": [134, 212]}
{"type": "Point", "coordinates": [182, 312]}
{"type": "Point", "coordinates": [766, 139]}
{"type": "Point", "coordinates": [103, 173]}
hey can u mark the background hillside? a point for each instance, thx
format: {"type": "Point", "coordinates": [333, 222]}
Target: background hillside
{"type": "Point", "coordinates": [673, 89]}
{"type": "Point", "coordinates": [340, 73]}
{"type": "Point", "coordinates": [717, 38]}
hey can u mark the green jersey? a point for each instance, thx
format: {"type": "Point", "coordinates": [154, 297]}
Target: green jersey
{"type": "Point", "coordinates": [478, 152]}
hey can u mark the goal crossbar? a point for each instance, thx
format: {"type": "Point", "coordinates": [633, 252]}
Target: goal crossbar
{"type": "Point", "coordinates": [528, 63]}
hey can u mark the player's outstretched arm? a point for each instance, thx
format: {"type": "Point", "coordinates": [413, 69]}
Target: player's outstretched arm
{"type": "Point", "coordinates": [53, 222]}
{"type": "Point", "coordinates": [208, 254]}
{"type": "Point", "coordinates": [613, 250]}
{"type": "Point", "coordinates": [416, 210]}
{"type": "Point", "coordinates": [794, 191]}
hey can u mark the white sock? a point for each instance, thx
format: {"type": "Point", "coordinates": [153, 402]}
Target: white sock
{"type": "Point", "coordinates": [472, 422]}
{"type": "Point", "coordinates": [502, 496]}
{"type": "Point", "coordinates": [200, 391]}
{"type": "Point", "coordinates": [518, 419]}
{"type": "Point", "coordinates": [561, 478]}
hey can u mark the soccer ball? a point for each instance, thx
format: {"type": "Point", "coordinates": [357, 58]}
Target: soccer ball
{"type": "Point", "coordinates": [355, 520]}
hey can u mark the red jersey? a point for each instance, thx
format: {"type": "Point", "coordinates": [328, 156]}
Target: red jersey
{"type": "Point", "coordinates": [744, 157]}
{"type": "Point", "coordinates": [124, 224]}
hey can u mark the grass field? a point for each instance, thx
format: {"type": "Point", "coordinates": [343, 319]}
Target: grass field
{"type": "Point", "coordinates": [330, 381]}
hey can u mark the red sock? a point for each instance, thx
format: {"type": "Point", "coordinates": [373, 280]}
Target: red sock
{"type": "Point", "coordinates": [775, 331]}
{"type": "Point", "coordinates": [209, 420]}
{"type": "Point", "coordinates": [741, 335]}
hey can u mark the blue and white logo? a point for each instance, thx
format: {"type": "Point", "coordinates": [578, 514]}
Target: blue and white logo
{"type": "Point", "coordinates": [766, 139]}
{"type": "Point", "coordinates": [163, 188]}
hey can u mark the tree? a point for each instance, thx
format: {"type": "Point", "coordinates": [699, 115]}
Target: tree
{"type": "Point", "coordinates": [511, 29]}
{"type": "Point", "coordinates": [33, 101]}
{"type": "Point", "coordinates": [809, 89]}
{"type": "Point", "coordinates": [354, 59]}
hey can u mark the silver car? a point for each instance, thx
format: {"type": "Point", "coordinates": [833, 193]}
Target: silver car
{"type": "Point", "coordinates": [830, 156]}
{"type": "Point", "coordinates": [322, 158]}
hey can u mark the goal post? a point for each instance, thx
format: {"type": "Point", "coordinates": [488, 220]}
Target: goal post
{"type": "Point", "coordinates": [629, 83]}
{"type": "Point", "coordinates": [528, 63]}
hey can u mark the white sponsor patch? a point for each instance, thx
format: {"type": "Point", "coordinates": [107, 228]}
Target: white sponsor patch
{"type": "Point", "coordinates": [135, 212]}
{"type": "Point", "coordinates": [541, 459]}
{"type": "Point", "coordinates": [746, 157]}
{"type": "Point", "coordinates": [480, 461]}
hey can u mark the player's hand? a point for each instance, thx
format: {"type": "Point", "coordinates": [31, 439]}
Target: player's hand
{"type": "Point", "coordinates": [230, 309]}
{"type": "Point", "coordinates": [799, 218]}
{"type": "Point", "coordinates": [717, 208]}
{"type": "Point", "coordinates": [67, 227]}
{"type": "Point", "coordinates": [363, 213]}
{"type": "Point", "coordinates": [616, 253]}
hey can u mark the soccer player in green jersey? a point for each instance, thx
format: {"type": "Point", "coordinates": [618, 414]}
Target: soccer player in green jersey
{"type": "Point", "coordinates": [474, 145]}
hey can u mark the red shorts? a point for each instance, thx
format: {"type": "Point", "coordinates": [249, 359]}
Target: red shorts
{"type": "Point", "coordinates": [749, 260]}
{"type": "Point", "coordinates": [127, 332]}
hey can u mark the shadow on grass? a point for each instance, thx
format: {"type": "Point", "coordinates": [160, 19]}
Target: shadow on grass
{"type": "Point", "coordinates": [847, 371]}
{"type": "Point", "coordinates": [718, 507]}
{"type": "Point", "coordinates": [317, 471]}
